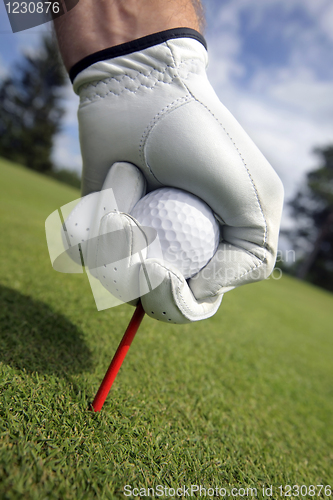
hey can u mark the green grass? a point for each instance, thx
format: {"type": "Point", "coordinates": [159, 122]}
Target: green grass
{"type": "Point", "coordinates": [240, 400]}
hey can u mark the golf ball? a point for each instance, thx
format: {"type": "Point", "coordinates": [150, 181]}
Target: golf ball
{"type": "Point", "coordinates": [186, 228]}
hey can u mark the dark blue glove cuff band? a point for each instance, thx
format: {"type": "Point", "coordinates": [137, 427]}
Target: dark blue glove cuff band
{"type": "Point", "coordinates": [134, 46]}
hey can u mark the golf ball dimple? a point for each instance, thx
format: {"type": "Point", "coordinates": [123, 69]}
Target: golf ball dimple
{"type": "Point", "coordinates": [186, 228]}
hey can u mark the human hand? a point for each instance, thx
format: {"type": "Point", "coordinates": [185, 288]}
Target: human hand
{"type": "Point", "coordinates": [149, 103]}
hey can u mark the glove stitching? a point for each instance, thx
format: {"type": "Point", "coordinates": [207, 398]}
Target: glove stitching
{"type": "Point", "coordinates": [110, 92]}
{"type": "Point", "coordinates": [232, 282]}
{"type": "Point", "coordinates": [250, 176]}
{"type": "Point", "coordinates": [119, 78]}
{"type": "Point", "coordinates": [264, 244]}
{"type": "Point", "coordinates": [89, 86]}
{"type": "Point", "coordinates": [167, 109]}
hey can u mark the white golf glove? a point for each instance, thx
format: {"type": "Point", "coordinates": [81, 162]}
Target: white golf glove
{"type": "Point", "coordinates": [148, 103]}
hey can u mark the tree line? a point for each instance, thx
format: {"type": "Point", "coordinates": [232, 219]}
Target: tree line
{"type": "Point", "coordinates": [32, 110]}
{"type": "Point", "coordinates": [312, 232]}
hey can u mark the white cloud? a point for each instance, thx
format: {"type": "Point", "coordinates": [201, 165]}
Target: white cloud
{"type": "Point", "coordinates": [286, 108]}
{"type": "Point", "coordinates": [321, 11]}
{"type": "Point", "coordinates": [223, 54]}
{"type": "Point", "coordinates": [327, 21]}
{"type": "Point", "coordinates": [298, 89]}
{"type": "Point", "coordinates": [311, 98]}
{"type": "Point", "coordinates": [285, 137]}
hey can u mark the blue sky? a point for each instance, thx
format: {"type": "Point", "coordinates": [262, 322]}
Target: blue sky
{"type": "Point", "coordinates": [271, 64]}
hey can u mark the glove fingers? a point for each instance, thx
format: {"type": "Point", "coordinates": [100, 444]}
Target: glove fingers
{"type": "Point", "coordinates": [230, 267]}
{"type": "Point", "coordinates": [128, 185]}
{"type": "Point", "coordinates": [170, 299]}
{"type": "Point", "coordinates": [115, 256]}
{"type": "Point", "coordinates": [77, 226]}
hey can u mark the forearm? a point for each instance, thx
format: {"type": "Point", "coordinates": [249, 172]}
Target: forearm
{"type": "Point", "coordinates": [92, 26]}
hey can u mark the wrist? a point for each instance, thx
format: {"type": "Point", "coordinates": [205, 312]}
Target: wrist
{"type": "Point", "coordinates": [90, 28]}
{"type": "Point", "coordinates": [134, 46]}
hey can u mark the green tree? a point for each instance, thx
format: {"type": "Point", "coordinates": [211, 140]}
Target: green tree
{"type": "Point", "coordinates": [31, 108]}
{"type": "Point", "coordinates": [312, 208]}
